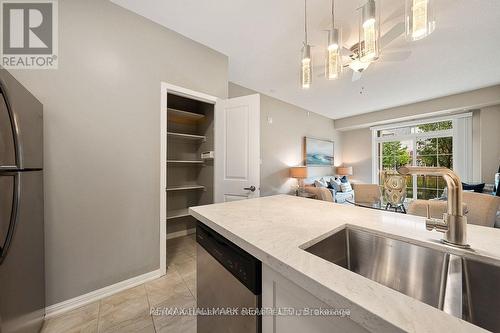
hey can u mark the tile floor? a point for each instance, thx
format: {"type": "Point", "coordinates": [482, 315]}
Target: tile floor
{"type": "Point", "coordinates": [129, 310]}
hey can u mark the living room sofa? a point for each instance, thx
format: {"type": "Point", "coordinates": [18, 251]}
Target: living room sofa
{"type": "Point", "coordinates": [319, 192]}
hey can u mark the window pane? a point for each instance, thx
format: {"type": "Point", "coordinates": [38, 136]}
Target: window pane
{"type": "Point", "coordinates": [394, 132]}
{"type": "Point", "coordinates": [446, 161]}
{"type": "Point", "coordinates": [430, 152]}
{"type": "Point", "coordinates": [395, 154]}
{"type": "Point", "coordinates": [427, 161]}
{"type": "Point", "coordinates": [387, 162]}
{"type": "Point", "coordinates": [445, 145]}
{"type": "Point", "coordinates": [431, 181]}
{"type": "Point", "coordinates": [427, 181]}
{"type": "Point", "coordinates": [427, 194]}
{"type": "Point", "coordinates": [441, 183]}
{"type": "Point", "coordinates": [446, 125]}
{"type": "Point", "coordinates": [427, 146]}
{"type": "Point", "coordinates": [409, 180]}
{"type": "Point", "coordinates": [432, 127]}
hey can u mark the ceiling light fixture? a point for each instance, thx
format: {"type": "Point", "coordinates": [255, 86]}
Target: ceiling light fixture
{"type": "Point", "coordinates": [306, 63]}
{"type": "Point", "coordinates": [358, 66]}
{"type": "Point", "coordinates": [333, 66]}
{"type": "Point", "coordinates": [369, 32]}
{"type": "Point", "coordinates": [419, 19]}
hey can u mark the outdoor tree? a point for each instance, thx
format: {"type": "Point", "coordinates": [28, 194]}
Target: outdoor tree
{"type": "Point", "coordinates": [394, 154]}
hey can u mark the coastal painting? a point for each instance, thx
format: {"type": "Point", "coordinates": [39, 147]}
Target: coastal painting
{"type": "Point", "coordinates": [318, 152]}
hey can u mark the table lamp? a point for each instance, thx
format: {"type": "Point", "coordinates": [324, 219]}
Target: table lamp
{"type": "Point", "coordinates": [299, 172]}
{"type": "Point", "coordinates": [344, 171]}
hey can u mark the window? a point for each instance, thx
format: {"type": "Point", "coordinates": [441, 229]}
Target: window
{"type": "Point", "coordinates": [428, 143]}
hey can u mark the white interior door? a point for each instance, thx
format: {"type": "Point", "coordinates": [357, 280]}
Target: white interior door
{"type": "Point", "coordinates": [237, 148]}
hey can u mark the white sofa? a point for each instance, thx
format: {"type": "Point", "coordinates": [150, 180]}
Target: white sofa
{"type": "Point", "coordinates": [336, 196]}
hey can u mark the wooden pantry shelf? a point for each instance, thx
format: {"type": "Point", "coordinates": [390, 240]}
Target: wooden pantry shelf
{"type": "Point", "coordinates": [185, 162]}
{"type": "Point", "coordinates": [180, 116]}
{"type": "Point", "coordinates": [187, 136]}
{"type": "Point", "coordinates": [185, 188]}
{"type": "Point", "coordinates": [176, 213]}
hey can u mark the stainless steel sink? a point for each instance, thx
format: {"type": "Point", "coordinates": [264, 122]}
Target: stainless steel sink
{"type": "Point", "coordinates": [466, 288]}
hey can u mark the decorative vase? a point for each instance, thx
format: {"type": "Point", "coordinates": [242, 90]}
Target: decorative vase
{"type": "Point", "coordinates": [395, 190]}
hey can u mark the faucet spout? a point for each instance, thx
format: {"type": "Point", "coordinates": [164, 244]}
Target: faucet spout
{"type": "Point", "coordinates": [454, 223]}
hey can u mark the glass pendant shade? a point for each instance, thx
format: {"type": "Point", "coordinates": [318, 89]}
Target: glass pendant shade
{"type": "Point", "coordinates": [419, 19]}
{"type": "Point", "coordinates": [306, 73]}
{"type": "Point", "coordinates": [306, 61]}
{"type": "Point", "coordinates": [333, 66]}
{"type": "Point", "coordinates": [369, 31]}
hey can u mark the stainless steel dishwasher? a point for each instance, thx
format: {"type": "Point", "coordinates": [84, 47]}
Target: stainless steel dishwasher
{"type": "Point", "coordinates": [227, 278]}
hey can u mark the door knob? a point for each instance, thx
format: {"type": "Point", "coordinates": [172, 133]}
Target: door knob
{"type": "Point", "coordinates": [251, 188]}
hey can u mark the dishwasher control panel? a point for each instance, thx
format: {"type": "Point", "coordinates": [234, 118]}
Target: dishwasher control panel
{"type": "Point", "coordinates": [241, 264]}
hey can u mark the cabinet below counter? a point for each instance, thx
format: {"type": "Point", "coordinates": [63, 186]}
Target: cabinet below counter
{"type": "Point", "coordinates": [295, 310]}
{"type": "Point", "coordinates": [278, 230]}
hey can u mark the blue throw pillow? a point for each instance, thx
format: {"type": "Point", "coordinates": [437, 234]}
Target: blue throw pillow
{"type": "Point", "coordinates": [335, 183]}
{"type": "Point", "coordinates": [478, 188]}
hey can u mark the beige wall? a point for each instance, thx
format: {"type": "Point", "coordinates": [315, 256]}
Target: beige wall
{"type": "Point", "coordinates": [102, 140]}
{"type": "Point", "coordinates": [475, 99]}
{"type": "Point", "coordinates": [282, 141]}
{"type": "Point", "coordinates": [490, 142]}
{"type": "Point", "coordinates": [357, 152]}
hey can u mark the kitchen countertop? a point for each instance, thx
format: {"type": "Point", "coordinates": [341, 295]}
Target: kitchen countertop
{"type": "Point", "coordinates": [275, 229]}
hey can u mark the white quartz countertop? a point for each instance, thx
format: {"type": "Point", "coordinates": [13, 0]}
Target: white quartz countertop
{"type": "Point", "coordinates": [275, 229]}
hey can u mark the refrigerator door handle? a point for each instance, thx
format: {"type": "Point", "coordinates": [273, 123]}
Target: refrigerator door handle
{"type": "Point", "coordinates": [13, 124]}
{"type": "Point", "coordinates": [4, 248]}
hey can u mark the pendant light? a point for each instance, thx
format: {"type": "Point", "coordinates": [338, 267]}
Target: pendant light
{"type": "Point", "coordinates": [333, 65]}
{"type": "Point", "coordinates": [419, 19]}
{"type": "Point", "coordinates": [306, 62]}
{"type": "Point", "coordinates": [369, 31]}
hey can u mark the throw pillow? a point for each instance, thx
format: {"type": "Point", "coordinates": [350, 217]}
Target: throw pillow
{"type": "Point", "coordinates": [478, 188]}
{"type": "Point", "coordinates": [320, 183]}
{"type": "Point", "coordinates": [346, 187]}
{"type": "Point", "coordinates": [335, 183]}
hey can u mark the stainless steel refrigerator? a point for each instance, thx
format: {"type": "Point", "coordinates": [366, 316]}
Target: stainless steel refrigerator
{"type": "Point", "coordinates": [22, 274]}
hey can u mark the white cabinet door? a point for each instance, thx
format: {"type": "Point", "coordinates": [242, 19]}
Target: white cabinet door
{"type": "Point", "coordinates": [281, 294]}
{"type": "Point", "coordinates": [237, 148]}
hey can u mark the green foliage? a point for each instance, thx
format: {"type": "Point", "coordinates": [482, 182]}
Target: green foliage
{"type": "Point", "coordinates": [394, 154]}
{"type": "Point", "coordinates": [432, 127]}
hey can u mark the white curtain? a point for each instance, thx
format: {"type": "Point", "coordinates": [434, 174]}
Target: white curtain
{"type": "Point", "coordinates": [462, 148]}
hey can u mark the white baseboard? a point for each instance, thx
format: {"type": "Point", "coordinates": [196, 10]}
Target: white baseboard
{"type": "Point", "coordinates": [181, 233]}
{"type": "Point", "coordinates": [70, 304]}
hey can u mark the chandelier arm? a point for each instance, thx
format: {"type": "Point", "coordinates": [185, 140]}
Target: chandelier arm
{"type": "Point", "coordinates": [333, 15]}
{"type": "Point", "coordinates": [305, 22]}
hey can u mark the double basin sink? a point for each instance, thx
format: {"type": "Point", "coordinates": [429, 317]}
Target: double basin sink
{"type": "Point", "coordinates": [466, 288]}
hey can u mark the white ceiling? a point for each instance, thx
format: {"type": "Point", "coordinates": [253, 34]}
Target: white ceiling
{"type": "Point", "coordinates": [263, 38]}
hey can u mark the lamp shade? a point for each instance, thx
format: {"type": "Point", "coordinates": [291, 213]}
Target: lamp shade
{"type": "Point", "coordinates": [298, 172]}
{"type": "Point", "coordinates": [344, 171]}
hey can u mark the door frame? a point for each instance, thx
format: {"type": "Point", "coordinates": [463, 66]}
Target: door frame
{"type": "Point", "coordinates": [166, 88]}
